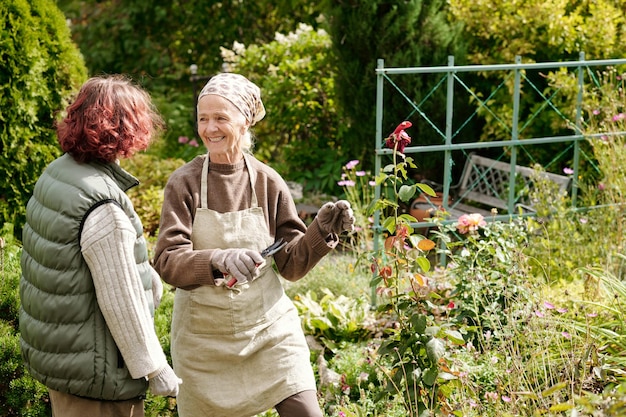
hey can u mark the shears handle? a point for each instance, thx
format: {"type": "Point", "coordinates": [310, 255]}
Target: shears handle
{"type": "Point", "coordinates": [265, 253]}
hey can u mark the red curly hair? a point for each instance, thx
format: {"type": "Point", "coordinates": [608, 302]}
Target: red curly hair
{"type": "Point", "coordinates": [110, 118]}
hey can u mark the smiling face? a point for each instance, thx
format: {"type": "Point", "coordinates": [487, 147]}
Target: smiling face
{"type": "Point", "coordinates": [221, 127]}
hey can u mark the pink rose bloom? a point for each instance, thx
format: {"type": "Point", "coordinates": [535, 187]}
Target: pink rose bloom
{"type": "Point", "coordinates": [469, 223]}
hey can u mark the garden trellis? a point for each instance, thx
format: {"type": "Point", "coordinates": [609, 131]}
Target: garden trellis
{"type": "Point", "coordinates": [585, 73]}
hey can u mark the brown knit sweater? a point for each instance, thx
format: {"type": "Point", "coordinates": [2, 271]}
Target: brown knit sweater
{"type": "Point", "coordinates": [229, 190]}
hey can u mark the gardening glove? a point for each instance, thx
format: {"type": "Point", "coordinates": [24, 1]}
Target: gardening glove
{"type": "Point", "coordinates": [335, 217]}
{"type": "Point", "coordinates": [241, 264]}
{"type": "Point", "coordinates": [165, 383]}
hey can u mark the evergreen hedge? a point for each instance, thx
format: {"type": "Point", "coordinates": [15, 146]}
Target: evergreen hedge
{"type": "Point", "coordinates": [40, 68]}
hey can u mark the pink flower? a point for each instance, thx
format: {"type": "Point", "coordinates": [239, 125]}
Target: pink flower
{"type": "Point", "coordinates": [193, 143]}
{"type": "Point", "coordinates": [566, 335]}
{"type": "Point", "coordinates": [548, 305]}
{"type": "Point", "coordinates": [352, 164]}
{"type": "Point", "coordinates": [491, 396]}
{"type": "Point", "coordinates": [601, 186]}
{"type": "Point", "coordinates": [360, 173]}
{"type": "Point", "coordinates": [399, 139]}
{"type": "Point", "coordinates": [539, 313]}
{"type": "Point", "coordinates": [618, 117]}
{"type": "Point", "coordinates": [372, 183]}
{"type": "Point", "coordinates": [183, 139]}
{"type": "Point", "coordinates": [568, 171]}
{"type": "Point", "coordinates": [596, 112]}
{"type": "Point", "coordinates": [470, 223]}
{"type": "Point", "coordinates": [346, 183]}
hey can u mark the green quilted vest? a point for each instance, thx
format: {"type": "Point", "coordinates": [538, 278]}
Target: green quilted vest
{"type": "Point", "coordinates": [65, 342]}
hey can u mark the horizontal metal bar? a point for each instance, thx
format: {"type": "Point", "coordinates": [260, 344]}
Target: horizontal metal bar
{"type": "Point", "coordinates": [499, 67]}
{"type": "Point", "coordinates": [497, 144]}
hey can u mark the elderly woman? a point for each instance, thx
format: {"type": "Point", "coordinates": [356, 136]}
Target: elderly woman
{"type": "Point", "coordinates": [239, 348]}
{"type": "Point", "coordinates": [88, 292]}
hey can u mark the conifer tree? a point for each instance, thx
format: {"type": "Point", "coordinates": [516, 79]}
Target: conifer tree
{"type": "Point", "coordinates": [39, 68]}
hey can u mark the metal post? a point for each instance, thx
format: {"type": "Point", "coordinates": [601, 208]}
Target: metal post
{"type": "Point", "coordinates": [579, 105]}
{"type": "Point", "coordinates": [377, 162]}
{"type": "Point", "coordinates": [514, 133]}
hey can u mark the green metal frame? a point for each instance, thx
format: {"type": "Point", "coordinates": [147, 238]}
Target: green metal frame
{"type": "Point", "coordinates": [449, 75]}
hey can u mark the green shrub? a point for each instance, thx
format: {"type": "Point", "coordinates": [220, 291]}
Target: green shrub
{"type": "Point", "coordinates": [301, 136]}
{"type": "Point", "coordinates": [39, 68]}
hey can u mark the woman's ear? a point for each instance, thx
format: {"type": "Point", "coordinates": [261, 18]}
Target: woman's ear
{"type": "Point", "coordinates": [245, 128]}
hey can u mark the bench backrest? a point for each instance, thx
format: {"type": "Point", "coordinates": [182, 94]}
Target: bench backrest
{"type": "Point", "coordinates": [486, 181]}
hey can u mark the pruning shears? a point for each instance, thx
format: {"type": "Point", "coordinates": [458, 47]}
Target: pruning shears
{"type": "Point", "coordinates": [265, 253]}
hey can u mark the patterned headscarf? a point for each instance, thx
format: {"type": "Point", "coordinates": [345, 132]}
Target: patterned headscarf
{"type": "Point", "coordinates": [240, 91]}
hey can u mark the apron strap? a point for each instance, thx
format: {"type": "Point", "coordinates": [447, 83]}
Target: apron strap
{"type": "Point", "coordinates": [204, 182]}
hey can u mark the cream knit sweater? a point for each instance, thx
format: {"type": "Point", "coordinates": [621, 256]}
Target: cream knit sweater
{"type": "Point", "coordinates": [107, 243]}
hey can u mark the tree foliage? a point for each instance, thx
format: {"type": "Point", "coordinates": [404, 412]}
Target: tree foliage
{"type": "Point", "coordinates": [302, 134]}
{"type": "Point", "coordinates": [156, 42]}
{"type": "Point", "coordinates": [537, 31]}
{"type": "Point", "coordinates": [39, 68]}
{"type": "Point", "coordinates": [405, 34]}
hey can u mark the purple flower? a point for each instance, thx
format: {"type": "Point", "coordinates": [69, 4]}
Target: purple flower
{"type": "Point", "coordinates": [352, 164]}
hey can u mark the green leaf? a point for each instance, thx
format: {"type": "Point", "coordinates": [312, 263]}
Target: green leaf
{"type": "Point", "coordinates": [406, 192]}
{"type": "Point", "coordinates": [426, 189]}
{"type": "Point", "coordinates": [561, 407]}
{"type": "Point", "coordinates": [423, 263]}
{"type": "Point", "coordinates": [390, 224]}
{"type": "Point", "coordinates": [455, 337]}
{"type": "Point", "coordinates": [554, 388]}
{"type": "Point", "coordinates": [430, 376]}
{"type": "Point", "coordinates": [381, 178]}
{"type": "Point", "coordinates": [435, 349]}
{"type": "Point", "coordinates": [418, 321]}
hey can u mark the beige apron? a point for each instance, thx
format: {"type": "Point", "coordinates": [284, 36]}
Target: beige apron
{"type": "Point", "coordinates": [239, 351]}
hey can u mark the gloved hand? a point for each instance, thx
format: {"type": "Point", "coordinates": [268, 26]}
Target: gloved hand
{"type": "Point", "coordinates": [335, 217]}
{"type": "Point", "coordinates": [239, 263]}
{"type": "Point", "coordinates": [165, 383]}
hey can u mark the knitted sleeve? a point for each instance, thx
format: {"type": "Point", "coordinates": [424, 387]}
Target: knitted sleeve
{"type": "Point", "coordinates": [107, 243]}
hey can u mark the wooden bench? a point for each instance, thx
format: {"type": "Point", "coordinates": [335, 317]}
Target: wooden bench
{"type": "Point", "coordinates": [484, 184]}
